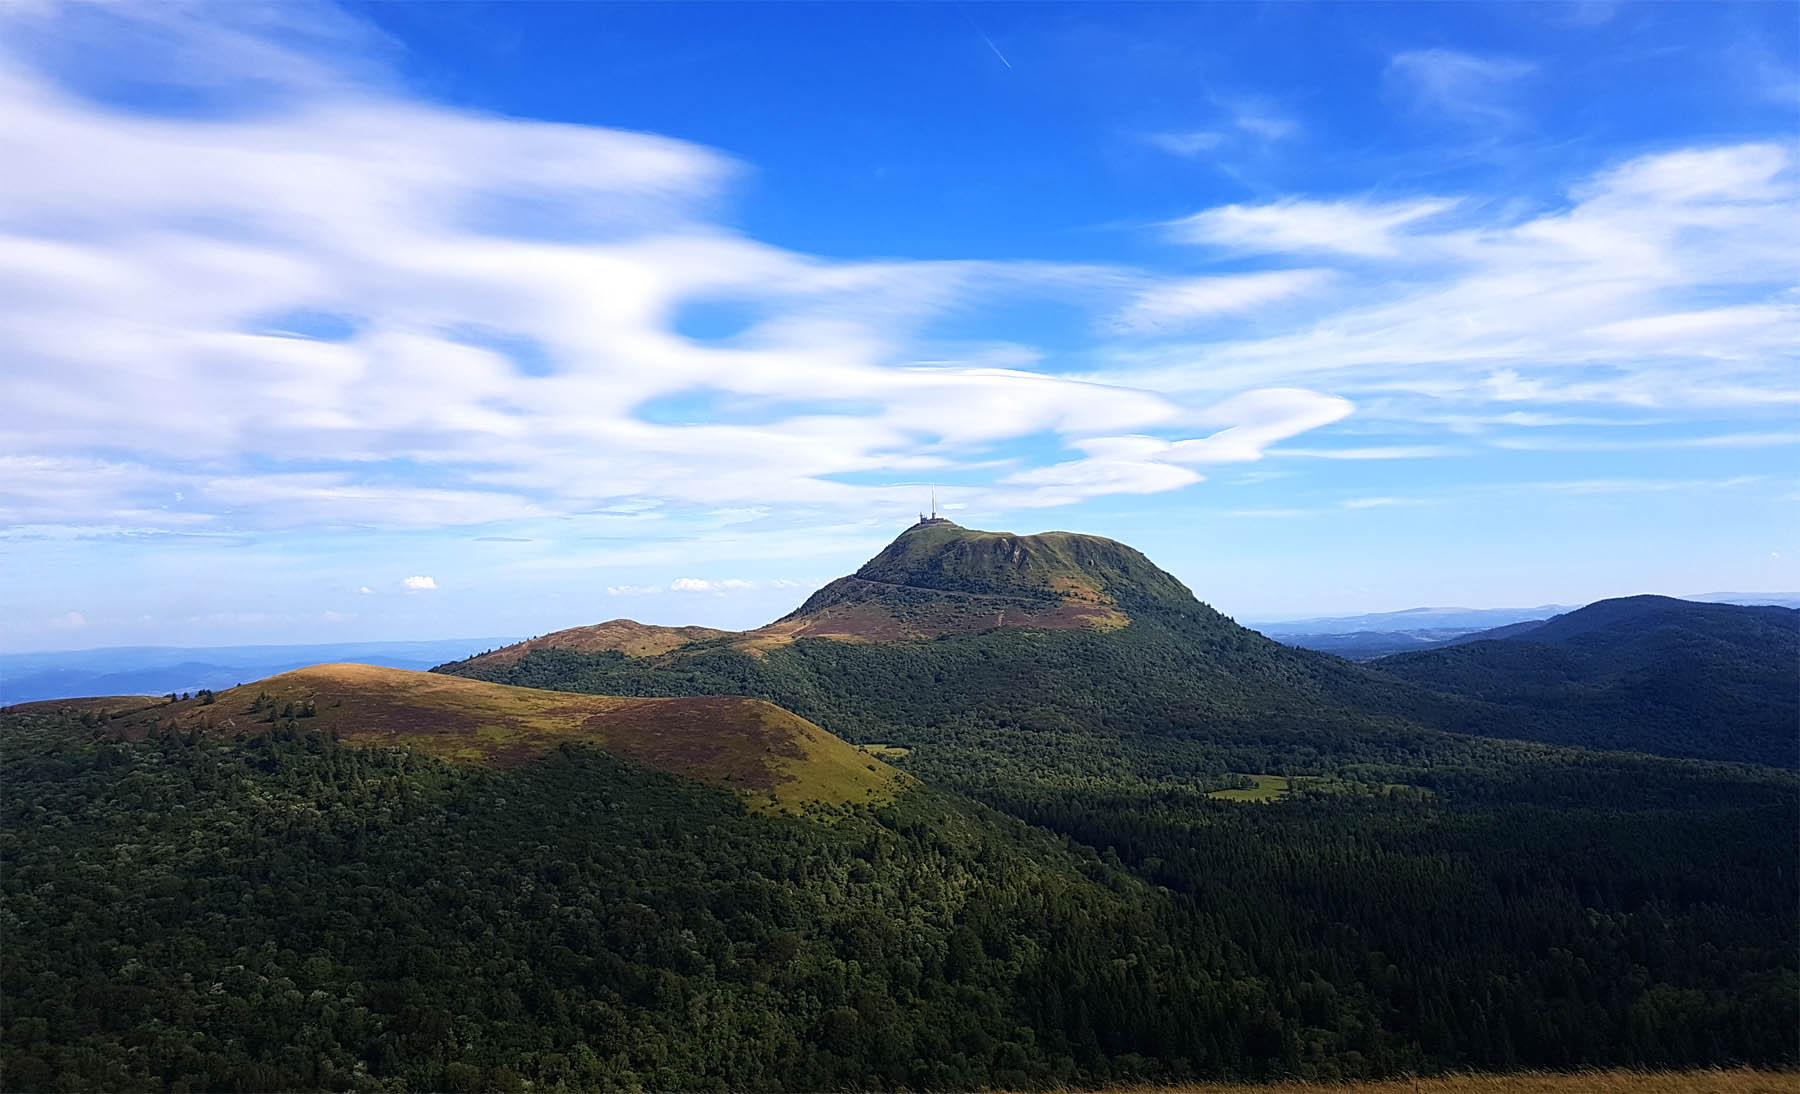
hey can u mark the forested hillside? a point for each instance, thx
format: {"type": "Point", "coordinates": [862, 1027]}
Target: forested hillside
{"type": "Point", "coordinates": [1414, 828]}
{"type": "Point", "coordinates": [1648, 673]}
{"type": "Point", "coordinates": [290, 911]}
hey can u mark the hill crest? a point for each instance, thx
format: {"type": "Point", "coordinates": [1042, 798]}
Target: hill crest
{"type": "Point", "coordinates": [774, 758]}
{"type": "Point", "coordinates": [936, 578]}
{"type": "Point", "coordinates": [1653, 673]}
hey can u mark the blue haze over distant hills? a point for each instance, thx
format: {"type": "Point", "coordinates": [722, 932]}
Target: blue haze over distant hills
{"type": "Point", "coordinates": [157, 670]}
{"type": "Point", "coordinates": [1377, 634]}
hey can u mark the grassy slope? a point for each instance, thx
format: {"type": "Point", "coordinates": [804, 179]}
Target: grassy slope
{"type": "Point", "coordinates": [628, 636]}
{"type": "Point", "coordinates": [775, 758]}
{"type": "Point", "coordinates": [1268, 788]}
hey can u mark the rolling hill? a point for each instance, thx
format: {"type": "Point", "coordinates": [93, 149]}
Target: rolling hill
{"type": "Point", "coordinates": [1650, 673]}
{"type": "Point", "coordinates": [773, 758]}
{"type": "Point", "coordinates": [298, 909]}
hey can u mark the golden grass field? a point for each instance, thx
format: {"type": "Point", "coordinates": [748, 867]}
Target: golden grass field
{"type": "Point", "coordinates": [1724, 1081]}
{"type": "Point", "coordinates": [776, 760]}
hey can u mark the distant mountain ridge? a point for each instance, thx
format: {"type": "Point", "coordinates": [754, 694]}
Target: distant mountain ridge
{"type": "Point", "coordinates": [1410, 619]}
{"type": "Point", "coordinates": [1378, 634]}
{"type": "Point", "coordinates": [1707, 680]}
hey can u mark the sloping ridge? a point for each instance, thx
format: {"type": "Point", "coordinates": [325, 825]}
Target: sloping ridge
{"type": "Point", "coordinates": [627, 636]}
{"type": "Point", "coordinates": [1712, 681]}
{"type": "Point", "coordinates": [936, 578]}
{"type": "Point", "coordinates": [943, 556]}
{"type": "Point", "coordinates": [1618, 625]}
{"type": "Point", "coordinates": [775, 758]}
{"type": "Point", "coordinates": [939, 578]}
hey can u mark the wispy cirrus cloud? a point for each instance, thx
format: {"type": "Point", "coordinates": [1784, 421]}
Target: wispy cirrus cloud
{"type": "Point", "coordinates": [1462, 86]}
{"type": "Point", "coordinates": [1362, 229]}
{"type": "Point", "coordinates": [1664, 283]}
{"type": "Point", "coordinates": [1240, 121]}
{"type": "Point", "coordinates": [340, 305]}
{"type": "Point", "coordinates": [1171, 305]}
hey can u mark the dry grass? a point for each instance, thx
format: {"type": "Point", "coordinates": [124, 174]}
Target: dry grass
{"type": "Point", "coordinates": [628, 636]}
{"type": "Point", "coordinates": [777, 760]}
{"type": "Point", "coordinates": [1268, 788]}
{"type": "Point", "coordinates": [1731, 1081]}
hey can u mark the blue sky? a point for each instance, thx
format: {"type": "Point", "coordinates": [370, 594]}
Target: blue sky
{"type": "Point", "coordinates": [396, 321]}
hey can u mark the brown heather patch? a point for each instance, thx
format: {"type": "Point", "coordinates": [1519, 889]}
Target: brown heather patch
{"type": "Point", "coordinates": [1723, 1081]}
{"type": "Point", "coordinates": [876, 611]}
{"type": "Point", "coordinates": [628, 636]}
{"type": "Point", "coordinates": [777, 759]}
{"type": "Point", "coordinates": [870, 609]}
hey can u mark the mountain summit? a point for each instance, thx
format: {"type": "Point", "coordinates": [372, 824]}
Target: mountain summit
{"type": "Point", "coordinates": [940, 578]}
{"type": "Point", "coordinates": [936, 578]}
{"type": "Point", "coordinates": [950, 626]}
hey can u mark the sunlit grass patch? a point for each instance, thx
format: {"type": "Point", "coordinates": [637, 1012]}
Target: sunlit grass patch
{"type": "Point", "coordinates": [1268, 788]}
{"type": "Point", "coordinates": [774, 759]}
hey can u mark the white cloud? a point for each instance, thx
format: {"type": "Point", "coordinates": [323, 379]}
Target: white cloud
{"type": "Point", "coordinates": [1297, 226]}
{"type": "Point", "coordinates": [1263, 122]}
{"type": "Point", "coordinates": [69, 621]}
{"type": "Point", "coordinates": [419, 584]}
{"type": "Point", "coordinates": [1240, 120]}
{"type": "Point", "coordinates": [1580, 444]}
{"type": "Point", "coordinates": [366, 591]}
{"type": "Point", "coordinates": [1664, 282]}
{"type": "Point", "coordinates": [340, 307]}
{"type": "Point", "coordinates": [1179, 303]}
{"type": "Point", "coordinates": [1141, 464]}
{"type": "Point", "coordinates": [1259, 419]}
{"type": "Point", "coordinates": [1377, 452]}
{"type": "Point", "coordinates": [703, 585]}
{"type": "Point", "coordinates": [1382, 503]}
